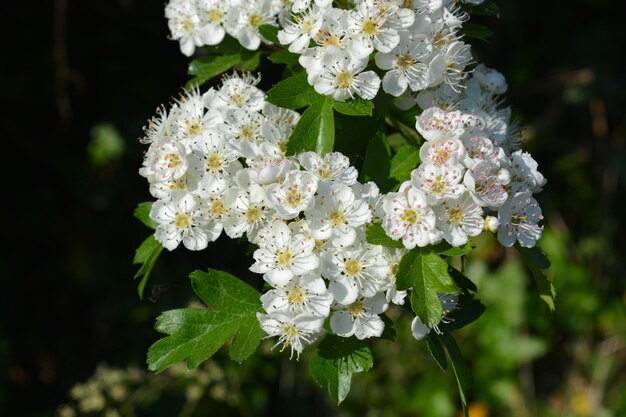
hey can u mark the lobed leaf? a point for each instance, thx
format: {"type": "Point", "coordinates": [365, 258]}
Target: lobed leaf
{"type": "Point", "coordinates": [207, 67]}
{"type": "Point", "coordinates": [270, 33]}
{"type": "Point", "coordinates": [142, 213]}
{"type": "Point", "coordinates": [196, 334]}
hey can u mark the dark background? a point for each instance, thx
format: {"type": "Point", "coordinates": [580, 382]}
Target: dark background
{"type": "Point", "coordinates": [68, 301]}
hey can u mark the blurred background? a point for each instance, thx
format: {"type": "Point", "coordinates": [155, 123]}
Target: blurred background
{"type": "Point", "coordinates": [78, 81]}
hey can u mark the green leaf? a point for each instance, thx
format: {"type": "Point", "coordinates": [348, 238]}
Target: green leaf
{"type": "Point", "coordinates": [476, 31]}
{"type": "Point", "coordinates": [537, 261]}
{"type": "Point", "coordinates": [284, 57]}
{"type": "Point", "coordinates": [315, 130]}
{"type": "Point", "coordinates": [250, 60]}
{"type": "Point", "coordinates": [376, 235]}
{"type": "Point", "coordinates": [377, 163]}
{"type": "Point", "coordinates": [146, 254]}
{"type": "Point", "coordinates": [357, 107]}
{"type": "Point", "coordinates": [461, 372]}
{"type": "Point", "coordinates": [335, 360]}
{"type": "Point", "coordinates": [437, 351]}
{"type": "Point", "coordinates": [404, 162]}
{"type": "Point", "coordinates": [270, 33]}
{"type": "Point", "coordinates": [207, 67]}
{"type": "Point", "coordinates": [446, 249]}
{"type": "Point", "coordinates": [196, 334]}
{"type": "Point", "coordinates": [427, 274]}
{"type": "Point", "coordinates": [292, 93]}
{"type": "Point", "coordinates": [353, 135]}
{"type": "Point", "coordinates": [142, 212]}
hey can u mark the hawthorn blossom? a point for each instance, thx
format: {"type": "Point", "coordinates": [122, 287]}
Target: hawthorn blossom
{"type": "Point", "coordinates": [303, 294]}
{"type": "Point", "coordinates": [334, 166]}
{"type": "Point", "coordinates": [408, 216]}
{"type": "Point", "coordinates": [294, 332]}
{"type": "Point", "coordinates": [458, 219]}
{"type": "Point", "coordinates": [439, 183]}
{"type": "Point", "coordinates": [360, 318]}
{"type": "Point", "coordinates": [293, 195]}
{"type": "Point", "coordinates": [518, 219]}
{"type": "Point", "coordinates": [282, 255]}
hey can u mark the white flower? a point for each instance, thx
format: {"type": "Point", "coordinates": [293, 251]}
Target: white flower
{"type": "Point", "coordinates": [438, 182]}
{"type": "Point", "coordinates": [458, 219]}
{"type": "Point", "coordinates": [281, 255]}
{"type": "Point", "coordinates": [243, 130]}
{"type": "Point", "coordinates": [293, 195]}
{"type": "Point", "coordinates": [191, 119]}
{"type": "Point", "coordinates": [525, 176]}
{"type": "Point", "coordinates": [335, 166]}
{"type": "Point", "coordinates": [408, 217]}
{"type": "Point", "coordinates": [435, 122]}
{"type": "Point", "coordinates": [213, 158]}
{"type": "Point", "coordinates": [337, 214]}
{"type": "Point", "coordinates": [269, 166]}
{"type": "Point", "coordinates": [216, 205]}
{"type": "Point", "coordinates": [341, 77]}
{"type": "Point", "coordinates": [479, 149]}
{"type": "Point", "coordinates": [492, 224]}
{"type": "Point", "coordinates": [248, 213]}
{"type": "Point", "coordinates": [490, 79]}
{"type": "Point", "coordinates": [298, 34]}
{"type": "Point", "coordinates": [360, 318]}
{"type": "Point", "coordinates": [293, 332]}
{"type": "Point", "coordinates": [166, 160]}
{"type": "Point", "coordinates": [214, 13]}
{"type": "Point", "coordinates": [237, 92]}
{"type": "Point", "coordinates": [285, 120]}
{"type": "Point", "coordinates": [179, 219]}
{"type": "Point", "coordinates": [375, 28]}
{"type": "Point", "coordinates": [485, 182]}
{"type": "Point", "coordinates": [404, 64]}
{"type": "Point", "coordinates": [419, 329]}
{"type": "Point", "coordinates": [159, 126]}
{"type": "Point", "coordinates": [355, 271]}
{"type": "Point", "coordinates": [518, 221]}
{"type": "Point", "coordinates": [305, 294]}
{"type": "Point", "coordinates": [245, 18]}
{"type": "Point", "coordinates": [393, 258]}
{"type": "Point", "coordinates": [442, 151]}
{"type": "Point", "coordinates": [185, 25]}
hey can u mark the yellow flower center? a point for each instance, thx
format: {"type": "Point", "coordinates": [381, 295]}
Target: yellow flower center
{"type": "Point", "coordinates": [296, 296]}
{"type": "Point", "coordinates": [370, 28]}
{"type": "Point", "coordinates": [405, 61]}
{"type": "Point", "coordinates": [247, 132]}
{"type": "Point", "coordinates": [173, 160]}
{"type": "Point", "coordinates": [324, 173]}
{"type": "Point", "coordinates": [438, 186]}
{"type": "Point", "coordinates": [187, 25]}
{"type": "Point", "coordinates": [337, 217]}
{"type": "Point", "coordinates": [307, 25]}
{"type": "Point", "coordinates": [182, 221]}
{"type": "Point", "coordinates": [294, 198]}
{"type": "Point", "coordinates": [394, 269]}
{"type": "Point", "coordinates": [238, 99]}
{"type": "Point", "coordinates": [455, 216]}
{"type": "Point", "coordinates": [291, 333]}
{"type": "Point", "coordinates": [284, 258]}
{"type": "Point", "coordinates": [255, 20]}
{"type": "Point", "coordinates": [178, 185]}
{"type": "Point", "coordinates": [214, 162]}
{"type": "Point", "coordinates": [410, 216]}
{"type": "Point", "coordinates": [194, 129]}
{"type": "Point", "coordinates": [352, 267]}
{"type": "Point", "coordinates": [253, 214]}
{"type": "Point", "coordinates": [344, 79]}
{"type": "Point", "coordinates": [216, 16]}
{"type": "Point", "coordinates": [356, 308]}
{"type": "Point", "coordinates": [218, 208]}
{"type": "Point", "coordinates": [319, 246]}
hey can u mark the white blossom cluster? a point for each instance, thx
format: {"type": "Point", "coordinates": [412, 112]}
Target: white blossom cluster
{"type": "Point", "coordinates": [418, 43]}
{"type": "Point", "coordinates": [471, 166]}
{"type": "Point", "coordinates": [217, 163]}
